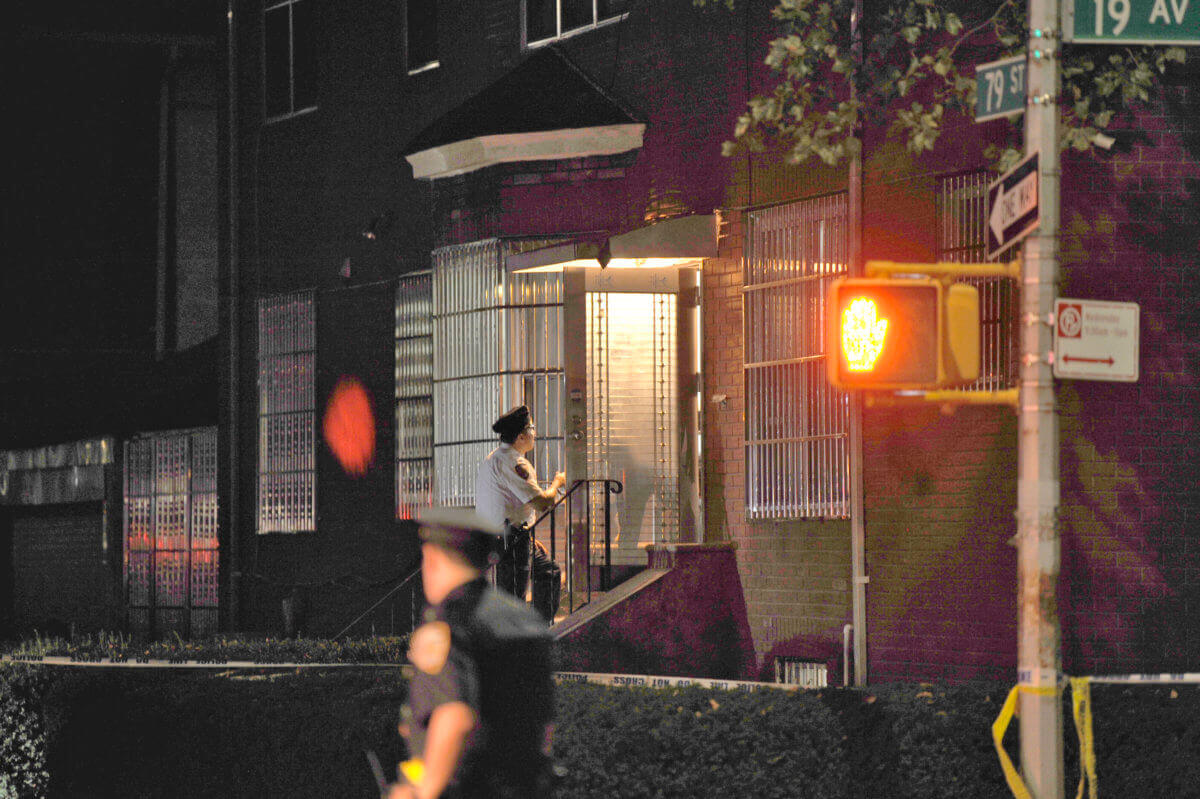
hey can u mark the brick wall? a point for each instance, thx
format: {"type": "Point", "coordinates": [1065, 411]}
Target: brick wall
{"type": "Point", "coordinates": [1130, 483]}
{"type": "Point", "coordinates": [795, 574]}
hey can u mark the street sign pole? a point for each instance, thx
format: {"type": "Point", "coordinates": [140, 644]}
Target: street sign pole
{"type": "Point", "coordinates": [1039, 658]}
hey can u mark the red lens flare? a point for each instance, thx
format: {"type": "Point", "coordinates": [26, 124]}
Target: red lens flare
{"type": "Point", "coordinates": [350, 426]}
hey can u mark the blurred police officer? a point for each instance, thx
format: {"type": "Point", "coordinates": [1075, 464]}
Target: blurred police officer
{"type": "Point", "coordinates": [481, 699]}
{"type": "Point", "coordinates": [507, 493]}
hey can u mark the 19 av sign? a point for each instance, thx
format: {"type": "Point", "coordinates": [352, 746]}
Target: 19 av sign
{"type": "Point", "coordinates": [1132, 21]}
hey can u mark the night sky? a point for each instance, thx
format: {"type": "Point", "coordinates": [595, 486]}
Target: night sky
{"type": "Point", "coordinates": [80, 212]}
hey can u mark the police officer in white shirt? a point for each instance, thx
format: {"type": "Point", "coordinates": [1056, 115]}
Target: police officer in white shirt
{"type": "Point", "coordinates": [507, 493]}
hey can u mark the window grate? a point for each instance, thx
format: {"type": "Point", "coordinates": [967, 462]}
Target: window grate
{"type": "Point", "coordinates": [548, 20]}
{"type": "Point", "coordinates": [961, 226]}
{"type": "Point", "coordinates": [287, 499]}
{"type": "Point", "coordinates": [805, 673]}
{"type": "Point", "coordinates": [497, 342]}
{"type": "Point", "coordinates": [414, 394]}
{"type": "Point", "coordinates": [797, 425]}
{"type": "Point", "coordinates": [171, 556]}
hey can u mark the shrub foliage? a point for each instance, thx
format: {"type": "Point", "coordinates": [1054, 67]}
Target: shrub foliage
{"type": "Point", "coordinates": [302, 732]}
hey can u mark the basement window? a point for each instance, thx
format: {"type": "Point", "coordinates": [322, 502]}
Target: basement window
{"type": "Point", "coordinates": [805, 673]}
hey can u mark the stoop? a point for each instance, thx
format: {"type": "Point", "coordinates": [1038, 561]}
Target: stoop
{"type": "Point", "coordinates": [685, 615]}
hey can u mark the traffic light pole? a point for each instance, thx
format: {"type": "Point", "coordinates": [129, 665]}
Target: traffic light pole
{"type": "Point", "coordinates": [1039, 659]}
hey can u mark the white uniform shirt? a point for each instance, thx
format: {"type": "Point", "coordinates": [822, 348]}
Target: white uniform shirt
{"type": "Point", "coordinates": [505, 481]}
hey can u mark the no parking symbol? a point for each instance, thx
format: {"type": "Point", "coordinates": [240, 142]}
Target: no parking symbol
{"type": "Point", "coordinates": [1096, 340]}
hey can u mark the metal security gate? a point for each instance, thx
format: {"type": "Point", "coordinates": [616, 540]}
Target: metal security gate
{"type": "Point", "coordinates": [497, 342]}
{"type": "Point", "coordinates": [632, 368]}
{"type": "Point", "coordinates": [414, 394]}
{"type": "Point", "coordinates": [961, 227]}
{"type": "Point", "coordinates": [171, 552]}
{"type": "Point", "coordinates": [797, 425]}
{"type": "Point", "coordinates": [632, 418]}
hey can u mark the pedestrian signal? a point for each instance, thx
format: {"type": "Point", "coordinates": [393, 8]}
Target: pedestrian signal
{"type": "Point", "coordinates": [902, 333]}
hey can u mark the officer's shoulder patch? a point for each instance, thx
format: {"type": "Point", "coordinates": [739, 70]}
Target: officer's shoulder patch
{"type": "Point", "coordinates": [430, 646]}
{"type": "Point", "coordinates": [522, 470]}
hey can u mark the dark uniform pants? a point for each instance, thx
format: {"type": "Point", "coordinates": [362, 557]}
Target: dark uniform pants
{"type": "Point", "coordinates": [513, 570]}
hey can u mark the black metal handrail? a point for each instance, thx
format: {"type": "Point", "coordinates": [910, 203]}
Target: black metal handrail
{"type": "Point", "coordinates": [609, 488]}
{"type": "Point", "coordinates": [411, 572]}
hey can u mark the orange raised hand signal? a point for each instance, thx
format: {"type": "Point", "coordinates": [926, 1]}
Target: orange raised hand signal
{"type": "Point", "coordinates": [863, 334]}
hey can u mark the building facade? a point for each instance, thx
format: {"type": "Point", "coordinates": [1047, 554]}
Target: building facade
{"type": "Point", "coordinates": [464, 206]}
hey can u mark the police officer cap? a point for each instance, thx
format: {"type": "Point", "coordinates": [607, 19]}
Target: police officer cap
{"type": "Point", "coordinates": [512, 423]}
{"type": "Point", "coordinates": [460, 530]}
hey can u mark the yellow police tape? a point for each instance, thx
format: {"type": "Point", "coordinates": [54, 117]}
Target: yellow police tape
{"type": "Point", "coordinates": [1000, 726]}
{"type": "Point", "coordinates": [1081, 703]}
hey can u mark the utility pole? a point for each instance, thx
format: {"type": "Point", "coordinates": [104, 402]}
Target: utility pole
{"type": "Point", "coordinates": [1039, 656]}
{"type": "Point", "coordinates": [854, 216]}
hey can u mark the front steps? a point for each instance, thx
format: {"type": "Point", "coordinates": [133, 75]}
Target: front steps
{"type": "Point", "coordinates": [685, 615]}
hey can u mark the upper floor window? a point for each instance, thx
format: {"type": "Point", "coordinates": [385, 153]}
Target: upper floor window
{"type": "Point", "coordinates": [289, 57]}
{"type": "Point", "coordinates": [421, 34]}
{"type": "Point", "coordinates": [547, 20]}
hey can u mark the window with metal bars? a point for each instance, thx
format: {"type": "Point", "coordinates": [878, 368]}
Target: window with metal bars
{"type": "Point", "coordinates": [414, 394]}
{"type": "Point", "coordinates": [289, 58]}
{"type": "Point", "coordinates": [171, 554]}
{"type": "Point", "coordinates": [287, 476]}
{"type": "Point", "coordinates": [548, 20]}
{"type": "Point", "coordinates": [421, 35]}
{"type": "Point", "coordinates": [961, 221]}
{"type": "Point", "coordinates": [497, 342]}
{"type": "Point", "coordinates": [797, 424]}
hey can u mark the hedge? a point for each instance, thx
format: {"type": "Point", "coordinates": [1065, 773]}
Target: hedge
{"type": "Point", "coordinates": [117, 732]}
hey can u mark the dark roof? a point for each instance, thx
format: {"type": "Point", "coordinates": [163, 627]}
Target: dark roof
{"type": "Point", "coordinates": [544, 92]}
{"type": "Point", "coordinates": [83, 395]}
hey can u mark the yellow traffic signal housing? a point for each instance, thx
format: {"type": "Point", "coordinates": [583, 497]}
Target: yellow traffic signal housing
{"type": "Point", "coordinates": [901, 333]}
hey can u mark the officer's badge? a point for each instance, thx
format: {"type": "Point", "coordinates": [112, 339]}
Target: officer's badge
{"type": "Point", "coordinates": [429, 646]}
{"type": "Point", "coordinates": [523, 471]}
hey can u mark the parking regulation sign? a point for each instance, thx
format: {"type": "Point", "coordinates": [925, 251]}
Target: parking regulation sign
{"type": "Point", "coordinates": [1013, 211]}
{"type": "Point", "coordinates": [1096, 340]}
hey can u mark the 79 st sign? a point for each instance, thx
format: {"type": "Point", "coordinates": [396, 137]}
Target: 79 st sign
{"type": "Point", "coordinates": [1000, 88]}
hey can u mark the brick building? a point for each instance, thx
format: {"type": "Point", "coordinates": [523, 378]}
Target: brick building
{"type": "Point", "coordinates": [449, 125]}
{"type": "Point", "coordinates": [420, 198]}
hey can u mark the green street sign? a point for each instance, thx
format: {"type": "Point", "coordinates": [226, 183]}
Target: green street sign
{"type": "Point", "coordinates": [1132, 22]}
{"type": "Point", "coordinates": [1000, 88]}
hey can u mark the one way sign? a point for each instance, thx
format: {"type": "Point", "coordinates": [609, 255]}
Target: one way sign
{"type": "Point", "coordinates": [1012, 206]}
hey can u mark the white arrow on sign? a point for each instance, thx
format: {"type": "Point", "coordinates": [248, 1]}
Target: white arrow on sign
{"type": "Point", "coordinates": [1011, 205]}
